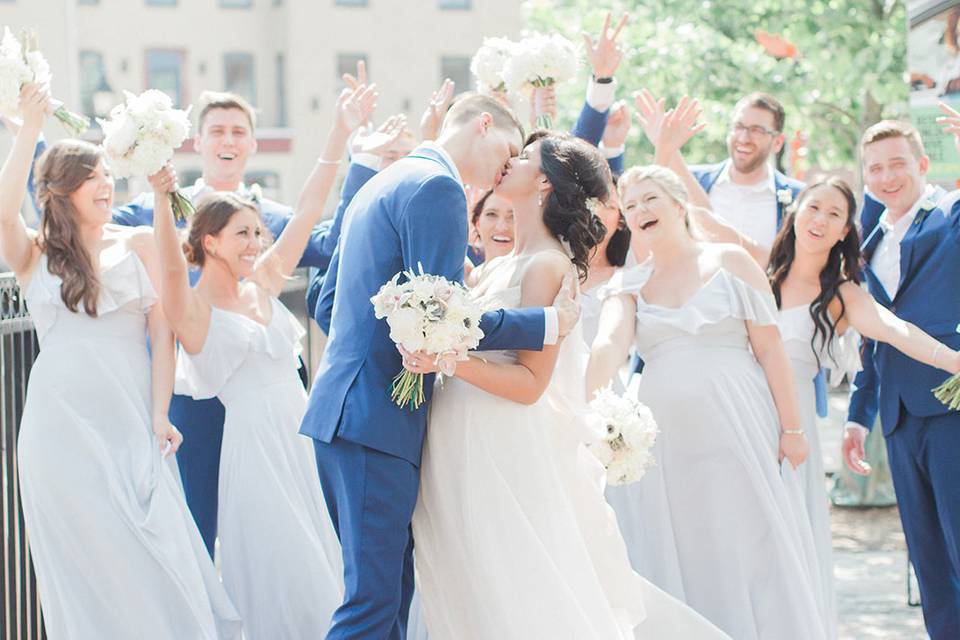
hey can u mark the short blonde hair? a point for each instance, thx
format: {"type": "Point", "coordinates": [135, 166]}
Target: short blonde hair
{"type": "Point", "coordinates": [666, 179]}
{"type": "Point", "coordinates": [893, 129]}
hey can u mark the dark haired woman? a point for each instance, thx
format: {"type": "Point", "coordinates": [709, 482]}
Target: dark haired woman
{"type": "Point", "coordinates": [280, 558]}
{"type": "Point", "coordinates": [814, 272]}
{"type": "Point", "coordinates": [514, 539]}
{"type": "Point", "coordinates": [116, 551]}
{"type": "Point", "coordinates": [491, 223]}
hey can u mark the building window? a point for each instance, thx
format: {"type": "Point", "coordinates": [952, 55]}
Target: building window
{"type": "Point", "coordinates": [161, 3]}
{"type": "Point", "coordinates": [281, 78]}
{"type": "Point", "coordinates": [93, 78]}
{"type": "Point", "coordinates": [165, 73]}
{"type": "Point", "coordinates": [350, 3]}
{"type": "Point", "coordinates": [235, 4]}
{"type": "Point", "coordinates": [238, 75]}
{"type": "Point", "coordinates": [454, 4]}
{"type": "Point", "coordinates": [347, 63]}
{"type": "Point", "coordinates": [457, 68]}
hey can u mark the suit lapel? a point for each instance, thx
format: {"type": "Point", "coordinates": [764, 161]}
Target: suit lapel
{"type": "Point", "coordinates": [907, 246]}
{"type": "Point", "coordinates": [711, 178]}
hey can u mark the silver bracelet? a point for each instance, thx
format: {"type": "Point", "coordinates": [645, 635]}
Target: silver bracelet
{"type": "Point", "coordinates": [792, 432]}
{"type": "Point", "coordinates": [325, 161]}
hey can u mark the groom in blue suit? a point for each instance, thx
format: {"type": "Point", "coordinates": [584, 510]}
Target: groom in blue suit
{"type": "Point", "coordinates": [913, 266]}
{"type": "Point", "coordinates": [368, 449]}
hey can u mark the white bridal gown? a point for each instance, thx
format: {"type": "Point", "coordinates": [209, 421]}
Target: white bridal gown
{"type": "Point", "coordinates": [116, 551]}
{"type": "Point", "coordinates": [513, 537]}
{"type": "Point", "coordinates": [842, 358]}
{"type": "Point", "coordinates": [724, 524]}
{"type": "Point", "coordinates": [280, 556]}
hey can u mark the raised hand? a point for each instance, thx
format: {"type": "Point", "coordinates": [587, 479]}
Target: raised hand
{"type": "Point", "coordinates": [543, 104]}
{"type": "Point", "coordinates": [353, 82]}
{"type": "Point", "coordinates": [678, 126]}
{"type": "Point", "coordinates": [433, 115]}
{"type": "Point", "coordinates": [34, 103]}
{"type": "Point", "coordinates": [605, 53]}
{"type": "Point", "coordinates": [618, 126]}
{"type": "Point", "coordinates": [378, 141]}
{"type": "Point", "coordinates": [164, 181]}
{"type": "Point", "coordinates": [950, 122]}
{"type": "Point", "coordinates": [354, 107]}
{"type": "Point", "coordinates": [650, 113]}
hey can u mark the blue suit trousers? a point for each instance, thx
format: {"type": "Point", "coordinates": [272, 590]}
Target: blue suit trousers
{"type": "Point", "coordinates": [370, 496]}
{"type": "Point", "coordinates": [924, 454]}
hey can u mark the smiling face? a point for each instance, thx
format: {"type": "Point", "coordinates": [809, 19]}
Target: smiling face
{"type": "Point", "coordinates": [494, 227]}
{"type": "Point", "coordinates": [895, 175]}
{"type": "Point", "coordinates": [225, 142]}
{"type": "Point", "coordinates": [822, 220]}
{"type": "Point", "coordinates": [238, 245]}
{"type": "Point", "coordinates": [752, 138]}
{"type": "Point", "coordinates": [93, 199]}
{"type": "Point", "coordinates": [651, 213]}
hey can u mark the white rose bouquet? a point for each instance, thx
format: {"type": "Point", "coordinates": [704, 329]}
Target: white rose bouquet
{"type": "Point", "coordinates": [427, 313]}
{"type": "Point", "coordinates": [21, 62]}
{"type": "Point", "coordinates": [141, 136]}
{"type": "Point", "coordinates": [629, 434]}
{"type": "Point", "coordinates": [488, 63]}
{"type": "Point", "coordinates": [540, 61]}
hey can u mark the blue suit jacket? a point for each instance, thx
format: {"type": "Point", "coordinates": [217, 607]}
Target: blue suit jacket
{"type": "Point", "coordinates": [412, 213]}
{"type": "Point", "coordinates": [357, 176]}
{"type": "Point", "coordinates": [275, 217]}
{"type": "Point", "coordinates": [589, 126]}
{"type": "Point", "coordinates": [928, 297]}
{"type": "Point", "coordinates": [708, 174]}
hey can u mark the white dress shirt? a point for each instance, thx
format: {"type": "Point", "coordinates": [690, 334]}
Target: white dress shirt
{"type": "Point", "coordinates": [886, 259]}
{"type": "Point", "coordinates": [751, 209]}
{"type": "Point", "coordinates": [551, 331]}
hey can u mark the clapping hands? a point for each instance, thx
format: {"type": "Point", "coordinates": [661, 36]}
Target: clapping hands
{"type": "Point", "coordinates": [436, 109]}
{"type": "Point", "coordinates": [355, 106]}
{"type": "Point", "coordinates": [668, 131]}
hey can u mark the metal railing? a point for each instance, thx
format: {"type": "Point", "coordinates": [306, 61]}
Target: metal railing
{"type": "Point", "coordinates": [22, 618]}
{"type": "Point", "coordinates": [20, 614]}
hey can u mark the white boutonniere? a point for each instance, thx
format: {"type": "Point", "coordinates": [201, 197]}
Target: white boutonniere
{"type": "Point", "coordinates": [256, 193]}
{"type": "Point", "coordinates": [784, 196]}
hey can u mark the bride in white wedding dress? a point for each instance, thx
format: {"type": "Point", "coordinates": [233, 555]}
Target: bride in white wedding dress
{"type": "Point", "coordinates": [514, 538]}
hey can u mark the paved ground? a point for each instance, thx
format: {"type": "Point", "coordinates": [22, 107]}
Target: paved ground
{"type": "Point", "coordinates": [870, 559]}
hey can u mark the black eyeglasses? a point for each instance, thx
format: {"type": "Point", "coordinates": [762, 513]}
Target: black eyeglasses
{"type": "Point", "coordinates": [754, 130]}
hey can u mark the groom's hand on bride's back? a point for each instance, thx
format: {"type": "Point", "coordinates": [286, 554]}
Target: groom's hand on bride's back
{"type": "Point", "coordinates": [567, 306]}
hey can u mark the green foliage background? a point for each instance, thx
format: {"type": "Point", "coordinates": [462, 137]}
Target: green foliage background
{"type": "Point", "coordinates": [850, 71]}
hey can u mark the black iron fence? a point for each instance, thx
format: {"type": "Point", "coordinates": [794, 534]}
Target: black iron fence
{"type": "Point", "coordinates": [22, 619]}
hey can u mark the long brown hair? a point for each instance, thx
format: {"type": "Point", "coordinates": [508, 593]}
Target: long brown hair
{"type": "Point", "coordinates": [843, 263]}
{"type": "Point", "coordinates": [62, 169]}
{"type": "Point", "coordinates": [213, 213]}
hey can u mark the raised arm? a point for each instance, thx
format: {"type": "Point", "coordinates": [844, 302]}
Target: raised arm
{"type": "Point", "coordinates": [17, 242]}
{"type": "Point", "coordinates": [769, 351]}
{"type": "Point", "coordinates": [184, 309]}
{"type": "Point", "coordinates": [279, 261]}
{"type": "Point", "coordinates": [874, 321]}
{"type": "Point", "coordinates": [618, 319]}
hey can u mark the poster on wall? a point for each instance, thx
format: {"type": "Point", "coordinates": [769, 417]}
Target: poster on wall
{"type": "Point", "coordinates": [933, 64]}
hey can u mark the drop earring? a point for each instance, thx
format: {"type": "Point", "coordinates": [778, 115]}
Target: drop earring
{"type": "Point", "coordinates": [540, 199]}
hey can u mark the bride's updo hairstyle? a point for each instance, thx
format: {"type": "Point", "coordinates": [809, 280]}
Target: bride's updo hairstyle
{"type": "Point", "coordinates": [578, 176]}
{"type": "Point", "coordinates": [62, 169]}
{"type": "Point", "coordinates": [212, 215]}
{"type": "Point", "coordinates": [667, 180]}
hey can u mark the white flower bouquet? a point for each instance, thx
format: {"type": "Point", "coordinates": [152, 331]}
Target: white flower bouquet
{"type": "Point", "coordinates": [427, 313]}
{"type": "Point", "coordinates": [142, 135]}
{"type": "Point", "coordinates": [489, 61]}
{"type": "Point", "coordinates": [540, 61]}
{"type": "Point", "coordinates": [21, 62]}
{"type": "Point", "coordinates": [629, 434]}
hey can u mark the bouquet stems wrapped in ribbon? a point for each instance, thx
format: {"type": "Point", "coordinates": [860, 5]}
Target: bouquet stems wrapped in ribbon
{"type": "Point", "coordinates": [21, 62]}
{"type": "Point", "coordinates": [141, 136]}
{"type": "Point", "coordinates": [949, 392]}
{"type": "Point", "coordinates": [628, 434]}
{"type": "Point", "coordinates": [427, 313]}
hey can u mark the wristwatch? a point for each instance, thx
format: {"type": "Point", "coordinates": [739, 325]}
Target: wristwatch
{"type": "Point", "coordinates": [606, 80]}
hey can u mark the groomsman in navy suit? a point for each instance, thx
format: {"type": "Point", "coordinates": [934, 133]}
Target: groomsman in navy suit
{"type": "Point", "coordinates": [913, 266]}
{"type": "Point", "coordinates": [225, 141]}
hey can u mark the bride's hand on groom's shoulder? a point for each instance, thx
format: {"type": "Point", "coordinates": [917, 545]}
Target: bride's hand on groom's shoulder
{"type": "Point", "coordinates": [567, 306]}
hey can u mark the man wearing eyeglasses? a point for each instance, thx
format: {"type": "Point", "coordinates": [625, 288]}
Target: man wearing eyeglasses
{"type": "Point", "coordinates": [745, 190]}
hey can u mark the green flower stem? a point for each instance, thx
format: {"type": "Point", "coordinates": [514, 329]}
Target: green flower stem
{"type": "Point", "coordinates": [949, 392]}
{"type": "Point", "coordinates": [74, 123]}
{"type": "Point", "coordinates": [407, 390]}
{"type": "Point", "coordinates": [181, 205]}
